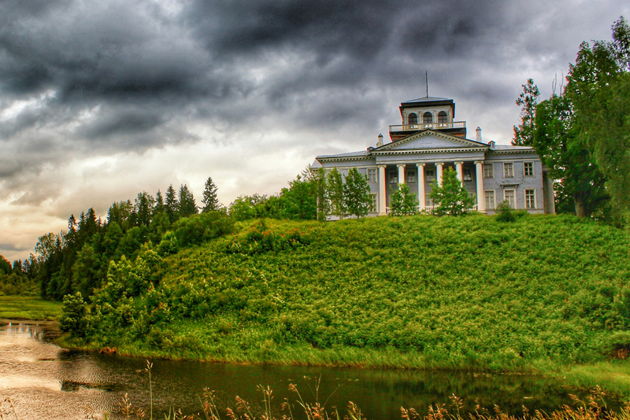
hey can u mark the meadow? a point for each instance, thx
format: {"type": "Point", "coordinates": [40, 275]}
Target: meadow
{"type": "Point", "coordinates": [546, 293]}
{"type": "Point", "coordinates": [28, 307]}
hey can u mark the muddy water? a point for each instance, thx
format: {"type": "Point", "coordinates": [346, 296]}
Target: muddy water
{"type": "Point", "coordinates": [41, 380]}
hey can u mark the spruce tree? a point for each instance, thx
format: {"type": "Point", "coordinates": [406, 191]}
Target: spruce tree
{"type": "Point", "coordinates": [210, 200]}
{"type": "Point", "coordinates": [171, 205]}
{"type": "Point", "coordinates": [527, 100]}
{"type": "Point", "coordinates": [187, 206]}
{"type": "Point", "coordinates": [159, 203]}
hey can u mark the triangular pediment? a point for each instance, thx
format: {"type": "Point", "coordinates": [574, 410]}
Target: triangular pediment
{"type": "Point", "coordinates": [430, 140]}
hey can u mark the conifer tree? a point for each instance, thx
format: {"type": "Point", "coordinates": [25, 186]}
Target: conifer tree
{"type": "Point", "coordinates": [171, 204]}
{"type": "Point", "coordinates": [527, 100]}
{"type": "Point", "coordinates": [187, 206]}
{"type": "Point", "coordinates": [144, 209]}
{"type": "Point", "coordinates": [159, 203]}
{"type": "Point", "coordinates": [210, 200]}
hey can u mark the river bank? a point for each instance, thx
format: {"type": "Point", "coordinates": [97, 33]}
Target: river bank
{"type": "Point", "coordinates": [45, 381]}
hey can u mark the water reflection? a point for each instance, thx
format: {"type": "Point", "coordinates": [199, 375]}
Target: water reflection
{"type": "Point", "coordinates": [69, 384]}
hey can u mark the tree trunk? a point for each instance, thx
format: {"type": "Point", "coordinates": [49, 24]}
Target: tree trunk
{"type": "Point", "coordinates": [580, 208]}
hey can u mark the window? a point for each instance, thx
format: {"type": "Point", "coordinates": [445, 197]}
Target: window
{"type": "Point", "coordinates": [508, 195]}
{"type": "Point", "coordinates": [508, 170]}
{"type": "Point", "coordinates": [413, 119]}
{"type": "Point", "coordinates": [442, 117]}
{"type": "Point", "coordinates": [467, 175]}
{"type": "Point", "coordinates": [530, 199]}
{"type": "Point", "coordinates": [372, 175]}
{"type": "Point", "coordinates": [430, 174]}
{"type": "Point", "coordinates": [488, 170]}
{"type": "Point", "coordinates": [373, 202]}
{"type": "Point", "coordinates": [411, 177]}
{"type": "Point", "coordinates": [489, 196]}
{"type": "Point", "coordinates": [427, 118]}
{"type": "Point", "coordinates": [528, 168]}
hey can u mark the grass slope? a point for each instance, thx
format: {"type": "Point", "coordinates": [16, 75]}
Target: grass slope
{"type": "Point", "coordinates": [28, 307]}
{"type": "Point", "coordinates": [421, 291]}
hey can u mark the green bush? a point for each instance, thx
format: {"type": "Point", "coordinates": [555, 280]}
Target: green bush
{"type": "Point", "coordinates": [73, 318]}
{"type": "Point", "coordinates": [461, 291]}
{"type": "Point", "coordinates": [505, 213]}
{"type": "Point", "coordinates": [203, 227]}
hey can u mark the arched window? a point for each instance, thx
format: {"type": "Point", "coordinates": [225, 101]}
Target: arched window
{"type": "Point", "coordinates": [413, 119]}
{"type": "Point", "coordinates": [427, 118]}
{"type": "Point", "coordinates": [442, 117]}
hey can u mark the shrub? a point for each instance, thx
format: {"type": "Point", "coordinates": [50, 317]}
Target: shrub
{"type": "Point", "coordinates": [201, 228]}
{"type": "Point", "coordinates": [73, 317]}
{"type": "Point", "coordinates": [505, 212]}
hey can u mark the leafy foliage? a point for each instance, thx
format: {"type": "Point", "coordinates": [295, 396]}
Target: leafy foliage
{"type": "Point", "coordinates": [403, 202]}
{"type": "Point", "coordinates": [450, 198]}
{"type": "Point", "coordinates": [424, 291]}
{"type": "Point", "coordinates": [581, 134]}
{"type": "Point", "coordinates": [334, 181]}
{"type": "Point", "coordinates": [356, 194]}
{"type": "Point", "coordinates": [73, 316]}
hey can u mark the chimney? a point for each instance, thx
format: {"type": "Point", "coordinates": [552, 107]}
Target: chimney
{"type": "Point", "coordinates": [478, 137]}
{"type": "Point", "coordinates": [379, 142]}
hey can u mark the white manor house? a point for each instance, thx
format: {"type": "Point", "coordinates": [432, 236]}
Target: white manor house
{"type": "Point", "coordinates": [430, 140]}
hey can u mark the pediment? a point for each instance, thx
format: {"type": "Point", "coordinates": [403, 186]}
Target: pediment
{"type": "Point", "coordinates": [430, 140]}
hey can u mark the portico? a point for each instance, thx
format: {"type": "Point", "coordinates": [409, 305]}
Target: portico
{"type": "Point", "coordinates": [420, 176]}
{"type": "Point", "coordinates": [420, 152]}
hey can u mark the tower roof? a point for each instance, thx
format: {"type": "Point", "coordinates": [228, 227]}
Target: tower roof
{"type": "Point", "coordinates": [425, 100]}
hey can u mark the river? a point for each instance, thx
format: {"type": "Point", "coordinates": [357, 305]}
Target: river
{"type": "Point", "coordinates": [40, 380]}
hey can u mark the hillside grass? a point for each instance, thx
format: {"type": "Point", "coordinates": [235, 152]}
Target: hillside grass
{"type": "Point", "coordinates": [546, 293]}
{"type": "Point", "coordinates": [28, 307]}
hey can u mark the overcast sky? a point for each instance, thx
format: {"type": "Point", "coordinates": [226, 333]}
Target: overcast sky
{"type": "Point", "coordinates": [102, 99]}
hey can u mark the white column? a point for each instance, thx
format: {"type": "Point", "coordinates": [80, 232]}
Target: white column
{"type": "Point", "coordinates": [382, 191]}
{"type": "Point", "coordinates": [481, 195]}
{"type": "Point", "coordinates": [459, 167]}
{"type": "Point", "coordinates": [421, 198]}
{"type": "Point", "coordinates": [401, 174]}
{"type": "Point", "coordinates": [439, 173]}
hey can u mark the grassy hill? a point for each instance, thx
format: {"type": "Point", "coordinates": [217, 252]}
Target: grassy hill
{"type": "Point", "coordinates": [468, 292]}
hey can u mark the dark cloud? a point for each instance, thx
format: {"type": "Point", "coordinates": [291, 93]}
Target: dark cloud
{"type": "Point", "coordinates": [84, 79]}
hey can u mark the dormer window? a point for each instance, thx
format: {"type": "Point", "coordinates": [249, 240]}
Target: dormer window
{"type": "Point", "coordinates": [427, 118]}
{"type": "Point", "coordinates": [442, 117]}
{"type": "Point", "coordinates": [413, 119]}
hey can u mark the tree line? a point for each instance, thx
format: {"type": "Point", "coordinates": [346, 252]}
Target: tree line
{"type": "Point", "coordinates": [581, 131]}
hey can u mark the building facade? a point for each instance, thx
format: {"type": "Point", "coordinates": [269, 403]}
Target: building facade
{"type": "Point", "coordinates": [428, 141]}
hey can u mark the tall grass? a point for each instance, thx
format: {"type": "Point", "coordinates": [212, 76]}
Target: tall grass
{"type": "Point", "coordinates": [593, 407]}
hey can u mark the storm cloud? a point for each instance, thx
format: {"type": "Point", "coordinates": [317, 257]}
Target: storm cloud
{"type": "Point", "coordinates": [90, 91]}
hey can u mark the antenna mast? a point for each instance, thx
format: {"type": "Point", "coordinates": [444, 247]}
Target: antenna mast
{"type": "Point", "coordinates": [426, 81]}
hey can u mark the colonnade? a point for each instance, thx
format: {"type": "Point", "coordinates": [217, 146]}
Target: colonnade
{"type": "Point", "coordinates": [421, 193]}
